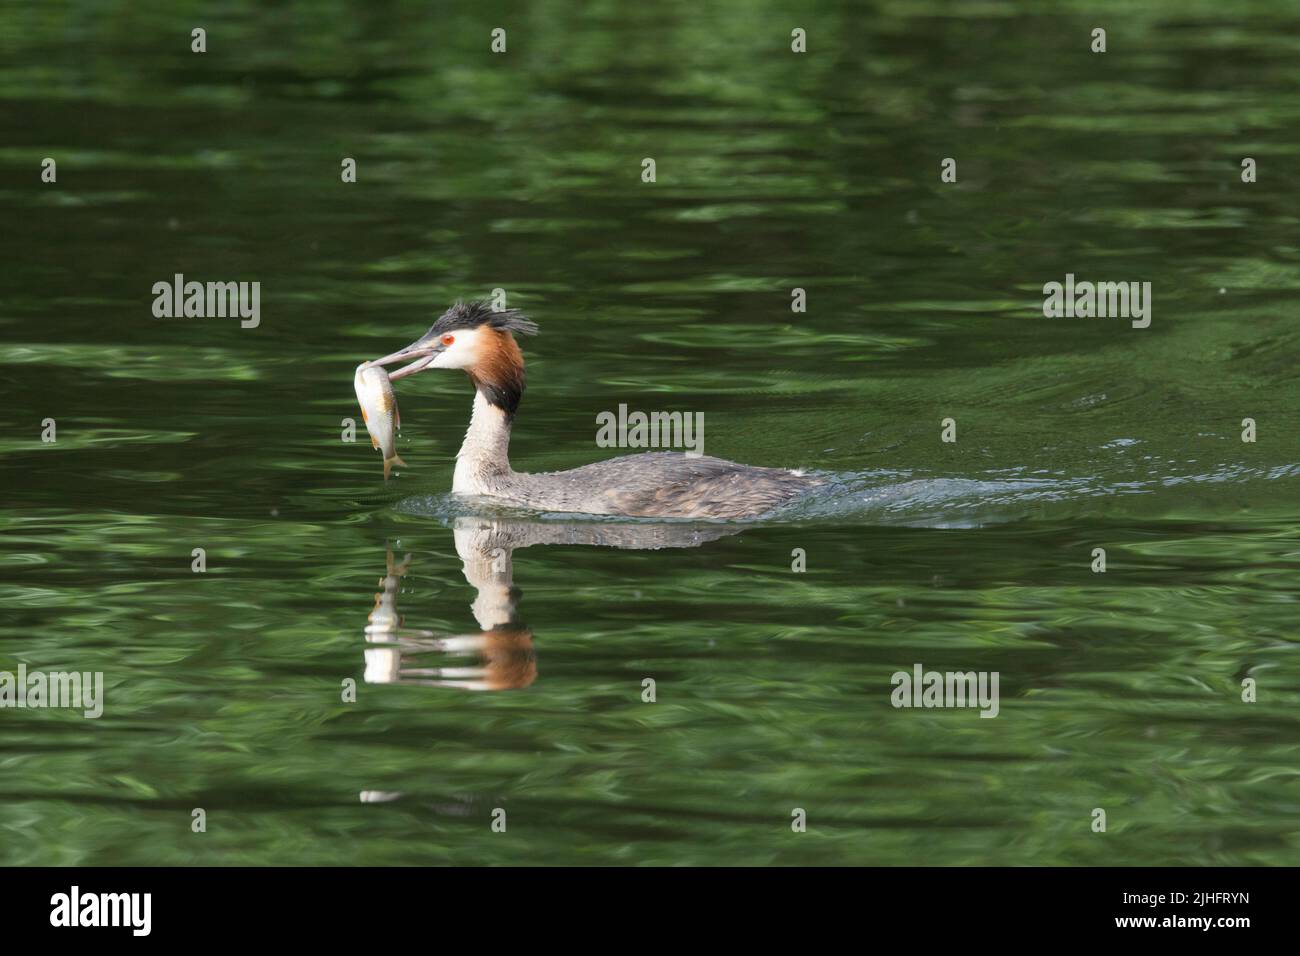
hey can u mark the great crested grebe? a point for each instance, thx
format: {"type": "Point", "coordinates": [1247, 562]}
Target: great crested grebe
{"type": "Point", "coordinates": [651, 484]}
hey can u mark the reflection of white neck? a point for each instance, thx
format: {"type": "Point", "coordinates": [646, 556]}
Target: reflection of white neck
{"type": "Point", "coordinates": [488, 568]}
{"type": "Point", "coordinates": [484, 454]}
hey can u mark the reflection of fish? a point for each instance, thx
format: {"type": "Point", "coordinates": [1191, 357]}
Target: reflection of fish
{"type": "Point", "coordinates": [379, 410]}
{"type": "Point", "coordinates": [384, 618]}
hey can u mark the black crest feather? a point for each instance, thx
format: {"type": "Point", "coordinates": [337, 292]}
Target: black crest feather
{"type": "Point", "coordinates": [470, 315]}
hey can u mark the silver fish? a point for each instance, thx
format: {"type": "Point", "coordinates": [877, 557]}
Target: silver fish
{"type": "Point", "coordinates": [379, 411]}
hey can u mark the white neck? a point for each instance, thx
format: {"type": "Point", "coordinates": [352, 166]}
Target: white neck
{"type": "Point", "coordinates": [483, 457]}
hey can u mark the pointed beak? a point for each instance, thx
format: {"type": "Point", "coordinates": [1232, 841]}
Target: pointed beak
{"type": "Point", "coordinates": [419, 354]}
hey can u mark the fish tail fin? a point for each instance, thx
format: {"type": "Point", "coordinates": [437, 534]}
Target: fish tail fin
{"type": "Point", "coordinates": [390, 462]}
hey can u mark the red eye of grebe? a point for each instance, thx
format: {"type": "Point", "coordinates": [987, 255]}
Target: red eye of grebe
{"type": "Point", "coordinates": [448, 339]}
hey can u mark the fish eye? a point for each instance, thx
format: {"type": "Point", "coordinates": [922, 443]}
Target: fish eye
{"type": "Point", "coordinates": [448, 339]}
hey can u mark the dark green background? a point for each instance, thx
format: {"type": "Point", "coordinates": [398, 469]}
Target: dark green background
{"type": "Point", "coordinates": [775, 170]}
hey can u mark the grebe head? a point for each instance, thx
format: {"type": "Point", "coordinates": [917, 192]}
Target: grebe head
{"type": "Point", "coordinates": [473, 337]}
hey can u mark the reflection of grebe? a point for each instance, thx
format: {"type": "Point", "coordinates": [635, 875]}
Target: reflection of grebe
{"type": "Point", "coordinates": [653, 484]}
{"type": "Point", "coordinates": [504, 647]}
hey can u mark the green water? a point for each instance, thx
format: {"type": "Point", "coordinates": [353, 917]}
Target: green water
{"type": "Point", "coordinates": [1120, 691]}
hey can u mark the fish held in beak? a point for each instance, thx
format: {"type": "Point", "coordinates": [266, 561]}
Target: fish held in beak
{"type": "Point", "coordinates": [419, 354]}
{"type": "Point", "coordinates": [379, 411]}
